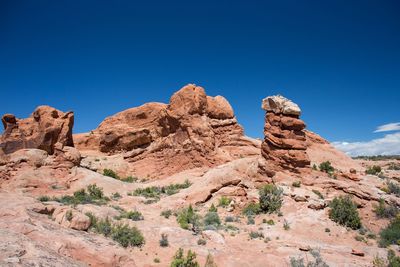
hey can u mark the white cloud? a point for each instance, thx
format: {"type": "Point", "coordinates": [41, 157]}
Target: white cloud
{"type": "Point", "coordinates": [387, 145]}
{"type": "Point", "coordinates": [395, 126]}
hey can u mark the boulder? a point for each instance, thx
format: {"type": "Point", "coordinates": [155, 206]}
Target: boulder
{"type": "Point", "coordinates": [71, 218]}
{"type": "Point", "coordinates": [42, 130]}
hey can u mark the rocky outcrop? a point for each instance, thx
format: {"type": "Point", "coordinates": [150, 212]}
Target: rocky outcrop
{"type": "Point", "coordinates": [46, 127]}
{"type": "Point", "coordinates": [193, 130]}
{"type": "Point", "coordinates": [284, 142]}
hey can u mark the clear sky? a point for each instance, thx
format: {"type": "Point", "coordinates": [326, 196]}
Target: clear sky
{"type": "Point", "coordinates": [339, 60]}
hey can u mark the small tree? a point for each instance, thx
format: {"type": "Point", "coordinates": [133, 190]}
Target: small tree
{"type": "Point", "coordinates": [326, 167]}
{"type": "Point", "coordinates": [180, 260]}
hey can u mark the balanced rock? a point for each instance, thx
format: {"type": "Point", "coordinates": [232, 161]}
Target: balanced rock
{"type": "Point", "coordinates": [284, 142]}
{"type": "Point", "coordinates": [43, 129]}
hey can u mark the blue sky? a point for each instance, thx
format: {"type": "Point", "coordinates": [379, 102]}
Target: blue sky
{"type": "Point", "coordinates": [339, 60]}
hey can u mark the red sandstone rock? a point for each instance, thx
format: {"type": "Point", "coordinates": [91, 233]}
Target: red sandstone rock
{"type": "Point", "coordinates": [43, 129]}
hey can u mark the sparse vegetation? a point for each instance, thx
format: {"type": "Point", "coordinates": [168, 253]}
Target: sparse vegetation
{"type": "Point", "coordinates": [255, 235]}
{"type": "Point", "coordinates": [286, 225]}
{"type": "Point", "coordinates": [155, 192]}
{"type": "Point", "coordinates": [180, 260]}
{"type": "Point", "coordinates": [44, 198]}
{"type": "Point", "coordinates": [224, 201]}
{"type": "Point", "coordinates": [270, 198]}
{"type": "Point", "coordinates": [164, 240]}
{"type": "Point", "coordinates": [212, 218]}
{"type": "Point", "coordinates": [116, 196]}
{"type": "Point", "coordinates": [201, 242]}
{"type": "Point", "coordinates": [187, 217]}
{"type": "Point", "coordinates": [391, 261]}
{"type": "Point", "coordinates": [113, 174]}
{"type": "Point", "coordinates": [230, 219]}
{"type": "Point", "coordinates": [131, 215]}
{"type": "Point", "coordinates": [373, 170]}
{"type": "Point", "coordinates": [270, 222]}
{"type": "Point", "coordinates": [124, 234]}
{"type": "Point", "coordinates": [92, 195]}
{"type": "Point", "coordinates": [210, 261]}
{"type": "Point", "coordinates": [385, 211]}
{"type": "Point", "coordinates": [326, 167]}
{"type": "Point", "coordinates": [344, 212]}
{"type": "Point", "coordinates": [317, 262]}
{"type": "Point", "coordinates": [391, 234]}
{"type": "Point", "coordinates": [156, 260]}
{"type": "Point", "coordinates": [393, 188]}
{"type": "Point", "coordinates": [166, 213]}
{"type": "Point", "coordinates": [318, 193]}
{"type": "Point", "coordinates": [296, 184]}
{"type": "Point", "coordinates": [212, 208]}
{"type": "Point", "coordinates": [69, 215]}
{"type": "Point", "coordinates": [379, 157]}
{"type": "Point", "coordinates": [252, 209]}
{"type": "Point", "coordinates": [394, 166]}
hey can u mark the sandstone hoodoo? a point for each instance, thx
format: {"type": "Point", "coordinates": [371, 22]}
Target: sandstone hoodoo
{"type": "Point", "coordinates": [43, 129]}
{"type": "Point", "coordinates": [284, 142]}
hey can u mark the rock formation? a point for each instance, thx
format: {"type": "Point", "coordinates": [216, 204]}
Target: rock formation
{"type": "Point", "coordinates": [43, 129]}
{"type": "Point", "coordinates": [188, 132]}
{"type": "Point", "coordinates": [284, 142]}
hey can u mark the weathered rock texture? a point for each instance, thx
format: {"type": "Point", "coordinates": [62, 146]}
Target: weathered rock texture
{"type": "Point", "coordinates": [284, 142]}
{"type": "Point", "coordinates": [43, 129]}
{"type": "Point", "coordinates": [193, 130]}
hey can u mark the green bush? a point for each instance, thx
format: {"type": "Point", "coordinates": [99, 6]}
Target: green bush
{"type": "Point", "coordinates": [224, 201]}
{"type": "Point", "coordinates": [394, 166]}
{"type": "Point", "coordinates": [110, 173]}
{"type": "Point", "coordinates": [270, 222]}
{"type": "Point", "coordinates": [116, 196]}
{"type": "Point", "coordinates": [121, 233]}
{"type": "Point", "coordinates": [180, 260]}
{"type": "Point", "coordinates": [286, 225]}
{"type": "Point", "coordinates": [250, 220]}
{"type": "Point", "coordinates": [44, 198]}
{"type": "Point", "coordinates": [317, 262]}
{"type": "Point", "coordinates": [393, 260]}
{"type": "Point", "coordinates": [201, 242]}
{"type": "Point", "coordinates": [94, 195]}
{"type": "Point", "coordinates": [157, 191]}
{"type": "Point", "coordinates": [344, 211]}
{"type": "Point", "coordinates": [385, 211]}
{"type": "Point", "coordinates": [270, 198]}
{"type": "Point", "coordinates": [326, 167]}
{"type": "Point", "coordinates": [127, 236]}
{"type": "Point", "coordinates": [129, 179]}
{"type": "Point", "coordinates": [252, 209]}
{"type": "Point", "coordinates": [188, 217]}
{"type": "Point", "coordinates": [391, 234]}
{"type": "Point", "coordinates": [212, 218]}
{"type": "Point", "coordinates": [69, 215]}
{"type": "Point", "coordinates": [319, 194]}
{"type": "Point", "coordinates": [164, 240]}
{"type": "Point", "coordinates": [132, 215]}
{"type": "Point", "coordinates": [230, 219]}
{"type": "Point", "coordinates": [373, 170]}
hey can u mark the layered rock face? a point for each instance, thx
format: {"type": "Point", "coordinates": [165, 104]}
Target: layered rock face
{"type": "Point", "coordinates": [45, 128]}
{"type": "Point", "coordinates": [188, 132]}
{"type": "Point", "coordinates": [284, 142]}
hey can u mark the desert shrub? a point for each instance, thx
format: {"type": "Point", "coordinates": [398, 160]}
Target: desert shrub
{"type": "Point", "coordinates": [224, 201]}
{"type": "Point", "coordinates": [180, 260]}
{"type": "Point", "coordinates": [255, 235]}
{"type": "Point", "coordinates": [270, 198]}
{"type": "Point", "coordinates": [94, 195]}
{"type": "Point", "coordinates": [210, 261]}
{"type": "Point", "coordinates": [127, 236]}
{"type": "Point", "coordinates": [393, 188]}
{"type": "Point", "coordinates": [164, 240]}
{"type": "Point", "coordinates": [124, 234]}
{"type": "Point", "coordinates": [393, 260]}
{"type": "Point", "coordinates": [385, 211]}
{"type": "Point", "coordinates": [270, 222]}
{"type": "Point", "coordinates": [157, 191]}
{"type": "Point", "coordinates": [116, 196]}
{"type": "Point", "coordinates": [252, 209]}
{"type": "Point", "coordinates": [250, 220]}
{"type": "Point", "coordinates": [286, 225]}
{"type": "Point", "coordinates": [391, 234]}
{"type": "Point", "coordinates": [166, 213]}
{"type": "Point", "coordinates": [212, 218]}
{"type": "Point", "coordinates": [373, 170]}
{"type": "Point", "coordinates": [314, 167]}
{"type": "Point", "coordinates": [44, 198]}
{"type": "Point", "coordinates": [394, 166]}
{"type": "Point", "coordinates": [132, 215]}
{"type": "Point", "coordinates": [156, 260]}
{"type": "Point", "coordinates": [110, 173]}
{"type": "Point", "coordinates": [327, 230]}
{"type": "Point", "coordinates": [129, 179]}
{"type": "Point", "coordinates": [212, 208]}
{"type": "Point", "coordinates": [188, 216]}
{"type": "Point", "coordinates": [318, 193]}
{"type": "Point", "coordinates": [69, 215]}
{"type": "Point", "coordinates": [326, 167]}
{"type": "Point", "coordinates": [316, 262]}
{"type": "Point", "coordinates": [344, 212]}
{"type": "Point", "coordinates": [201, 242]}
{"type": "Point", "coordinates": [296, 184]}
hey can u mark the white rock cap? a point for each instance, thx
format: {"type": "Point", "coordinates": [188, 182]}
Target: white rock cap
{"type": "Point", "coordinates": [279, 104]}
